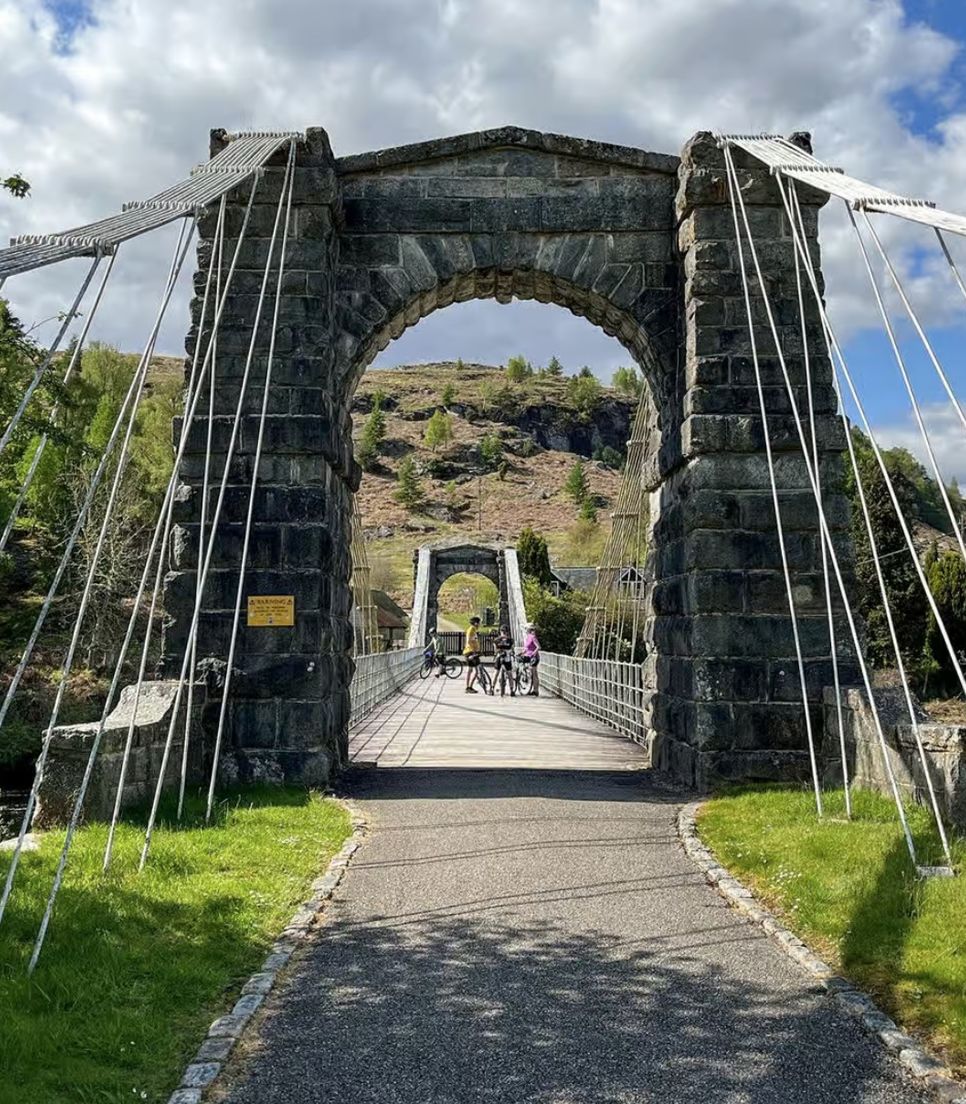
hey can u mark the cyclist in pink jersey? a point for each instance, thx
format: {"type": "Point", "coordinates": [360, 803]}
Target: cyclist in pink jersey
{"type": "Point", "coordinates": [531, 649]}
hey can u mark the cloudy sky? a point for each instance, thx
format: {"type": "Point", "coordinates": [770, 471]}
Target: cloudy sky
{"type": "Point", "coordinates": [102, 101]}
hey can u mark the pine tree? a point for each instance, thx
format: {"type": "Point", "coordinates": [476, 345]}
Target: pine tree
{"type": "Point", "coordinates": [588, 511]}
{"type": "Point", "coordinates": [409, 489]}
{"type": "Point", "coordinates": [439, 430]}
{"type": "Point", "coordinates": [448, 394]}
{"type": "Point", "coordinates": [576, 484]}
{"type": "Point", "coordinates": [372, 437]}
{"type": "Point", "coordinates": [534, 557]}
{"type": "Point", "coordinates": [554, 367]}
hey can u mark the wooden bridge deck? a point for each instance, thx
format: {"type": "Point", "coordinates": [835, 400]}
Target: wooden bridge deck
{"type": "Point", "coordinates": [435, 723]}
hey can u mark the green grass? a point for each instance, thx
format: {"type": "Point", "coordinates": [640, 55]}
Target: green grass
{"type": "Point", "coordinates": [136, 966]}
{"type": "Point", "coordinates": [850, 891]}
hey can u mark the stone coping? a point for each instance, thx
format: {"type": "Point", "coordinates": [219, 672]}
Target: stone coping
{"type": "Point", "coordinates": [207, 1065]}
{"type": "Point", "coordinates": [909, 1052]}
{"type": "Point", "coordinates": [508, 136]}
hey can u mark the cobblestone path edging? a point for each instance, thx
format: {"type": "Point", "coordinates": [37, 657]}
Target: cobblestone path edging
{"type": "Point", "coordinates": [909, 1051]}
{"type": "Point", "coordinates": [225, 1032]}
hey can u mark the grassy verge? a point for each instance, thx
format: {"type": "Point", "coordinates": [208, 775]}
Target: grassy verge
{"type": "Point", "coordinates": [136, 966]}
{"type": "Point", "coordinates": [849, 890]}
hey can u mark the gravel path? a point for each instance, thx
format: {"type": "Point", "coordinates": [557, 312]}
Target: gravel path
{"type": "Point", "coordinates": [512, 935]}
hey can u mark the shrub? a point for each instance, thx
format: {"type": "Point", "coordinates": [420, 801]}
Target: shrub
{"type": "Point", "coordinates": [448, 394]}
{"type": "Point", "coordinates": [609, 457]}
{"type": "Point", "coordinates": [558, 620]}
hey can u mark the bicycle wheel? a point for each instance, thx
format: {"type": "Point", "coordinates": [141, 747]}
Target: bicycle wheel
{"type": "Point", "coordinates": [502, 681]}
{"type": "Point", "coordinates": [453, 667]}
{"type": "Point", "coordinates": [426, 669]}
{"type": "Point", "coordinates": [523, 679]}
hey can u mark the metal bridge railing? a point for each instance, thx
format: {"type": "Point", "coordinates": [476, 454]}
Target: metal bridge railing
{"type": "Point", "coordinates": [609, 691]}
{"type": "Point", "coordinates": [378, 676]}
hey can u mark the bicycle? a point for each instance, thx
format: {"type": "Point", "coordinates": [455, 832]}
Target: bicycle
{"type": "Point", "coordinates": [521, 673]}
{"type": "Point", "coordinates": [484, 678]}
{"type": "Point", "coordinates": [450, 666]}
{"type": "Point", "coordinates": [505, 675]}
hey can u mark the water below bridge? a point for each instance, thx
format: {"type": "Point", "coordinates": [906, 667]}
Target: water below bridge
{"type": "Point", "coordinates": [521, 924]}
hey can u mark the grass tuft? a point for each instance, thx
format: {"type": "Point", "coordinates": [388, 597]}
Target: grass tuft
{"type": "Point", "coordinates": [849, 889]}
{"type": "Point", "coordinates": [136, 966]}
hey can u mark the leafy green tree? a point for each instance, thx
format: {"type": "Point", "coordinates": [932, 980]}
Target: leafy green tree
{"type": "Point", "coordinates": [626, 381]}
{"type": "Point", "coordinates": [491, 450]}
{"type": "Point", "coordinates": [518, 369]}
{"type": "Point", "coordinates": [439, 430]}
{"type": "Point", "coordinates": [901, 581]}
{"type": "Point", "coordinates": [16, 186]}
{"type": "Point", "coordinates": [584, 394]}
{"type": "Point", "coordinates": [409, 488]}
{"type": "Point", "coordinates": [947, 581]}
{"type": "Point", "coordinates": [576, 485]}
{"type": "Point", "coordinates": [448, 394]}
{"type": "Point", "coordinates": [373, 434]}
{"type": "Point", "coordinates": [534, 556]}
{"type": "Point", "coordinates": [488, 393]}
{"type": "Point", "coordinates": [558, 620]}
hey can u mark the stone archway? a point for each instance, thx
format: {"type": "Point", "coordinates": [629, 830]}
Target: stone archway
{"type": "Point", "coordinates": [462, 556]}
{"type": "Point", "coordinates": [642, 245]}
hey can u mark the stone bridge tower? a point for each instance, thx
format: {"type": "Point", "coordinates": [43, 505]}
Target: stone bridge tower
{"type": "Point", "coordinates": [640, 244]}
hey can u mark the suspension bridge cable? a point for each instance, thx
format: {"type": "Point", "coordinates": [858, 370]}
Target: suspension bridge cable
{"type": "Point", "coordinates": [159, 536]}
{"type": "Point", "coordinates": [950, 261]}
{"type": "Point", "coordinates": [132, 400]}
{"type": "Point", "coordinates": [207, 365]}
{"type": "Point", "coordinates": [823, 521]}
{"type": "Point", "coordinates": [42, 443]}
{"type": "Point", "coordinates": [917, 412]}
{"type": "Point", "coordinates": [831, 345]}
{"type": "Point", "coordinates": [76, 531]}
{"type": "Point", "coordinates": [826, 581]}
{"type": "Point", "coordinates": [832, 643]}
{"type": "Point", "coordinates": [199, 589]}
{"type": "Point", "coordinates": [914, 318]}
{"type": "Point", "coordinates": [266, 393]}
{"type": "Point", "coordinates": [41, 369]}
{"type": "Point", "coordinates": [790, 590]}
{"type": "Point", "coordinates": [215, 265]}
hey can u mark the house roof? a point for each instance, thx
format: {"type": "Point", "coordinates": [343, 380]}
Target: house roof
{"type": "Point", "coordinates": [389, 615]}
{"type": "Point", "coordinates": [577, 578]}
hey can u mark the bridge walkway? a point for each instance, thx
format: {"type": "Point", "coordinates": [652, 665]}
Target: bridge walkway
{"type": "Point", "coordinates": [513, 932]}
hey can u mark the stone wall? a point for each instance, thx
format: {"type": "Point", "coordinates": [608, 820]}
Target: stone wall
{"type": "Point", "coordinates": [945, 747]}
{"type": "Point", "coordinates": [70, 748]}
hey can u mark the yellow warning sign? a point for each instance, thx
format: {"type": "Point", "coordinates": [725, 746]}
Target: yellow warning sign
{"type": "Point", "coordinates": [271, 609]}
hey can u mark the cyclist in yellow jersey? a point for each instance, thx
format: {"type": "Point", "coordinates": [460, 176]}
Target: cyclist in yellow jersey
{"type": "Point", "coordinates": [471, 651]}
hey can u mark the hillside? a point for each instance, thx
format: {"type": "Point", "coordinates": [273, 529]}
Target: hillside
{"type": "Point", "coordinates": [540, 424]}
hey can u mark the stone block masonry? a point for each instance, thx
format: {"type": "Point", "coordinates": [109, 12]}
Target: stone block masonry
{"type": "Point", "coordinates": [640, 244]}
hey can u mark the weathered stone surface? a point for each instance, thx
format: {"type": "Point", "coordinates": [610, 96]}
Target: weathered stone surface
{"type": "Point", "coordinates": [640, 244]}
{"type": "Point", "coordinates": [71, 745]}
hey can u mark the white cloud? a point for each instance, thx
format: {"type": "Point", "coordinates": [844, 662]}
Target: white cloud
{"type": "Point", "coordinates": [126, 109]}
{"type": "Point", "coordinates": [946, 436]}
